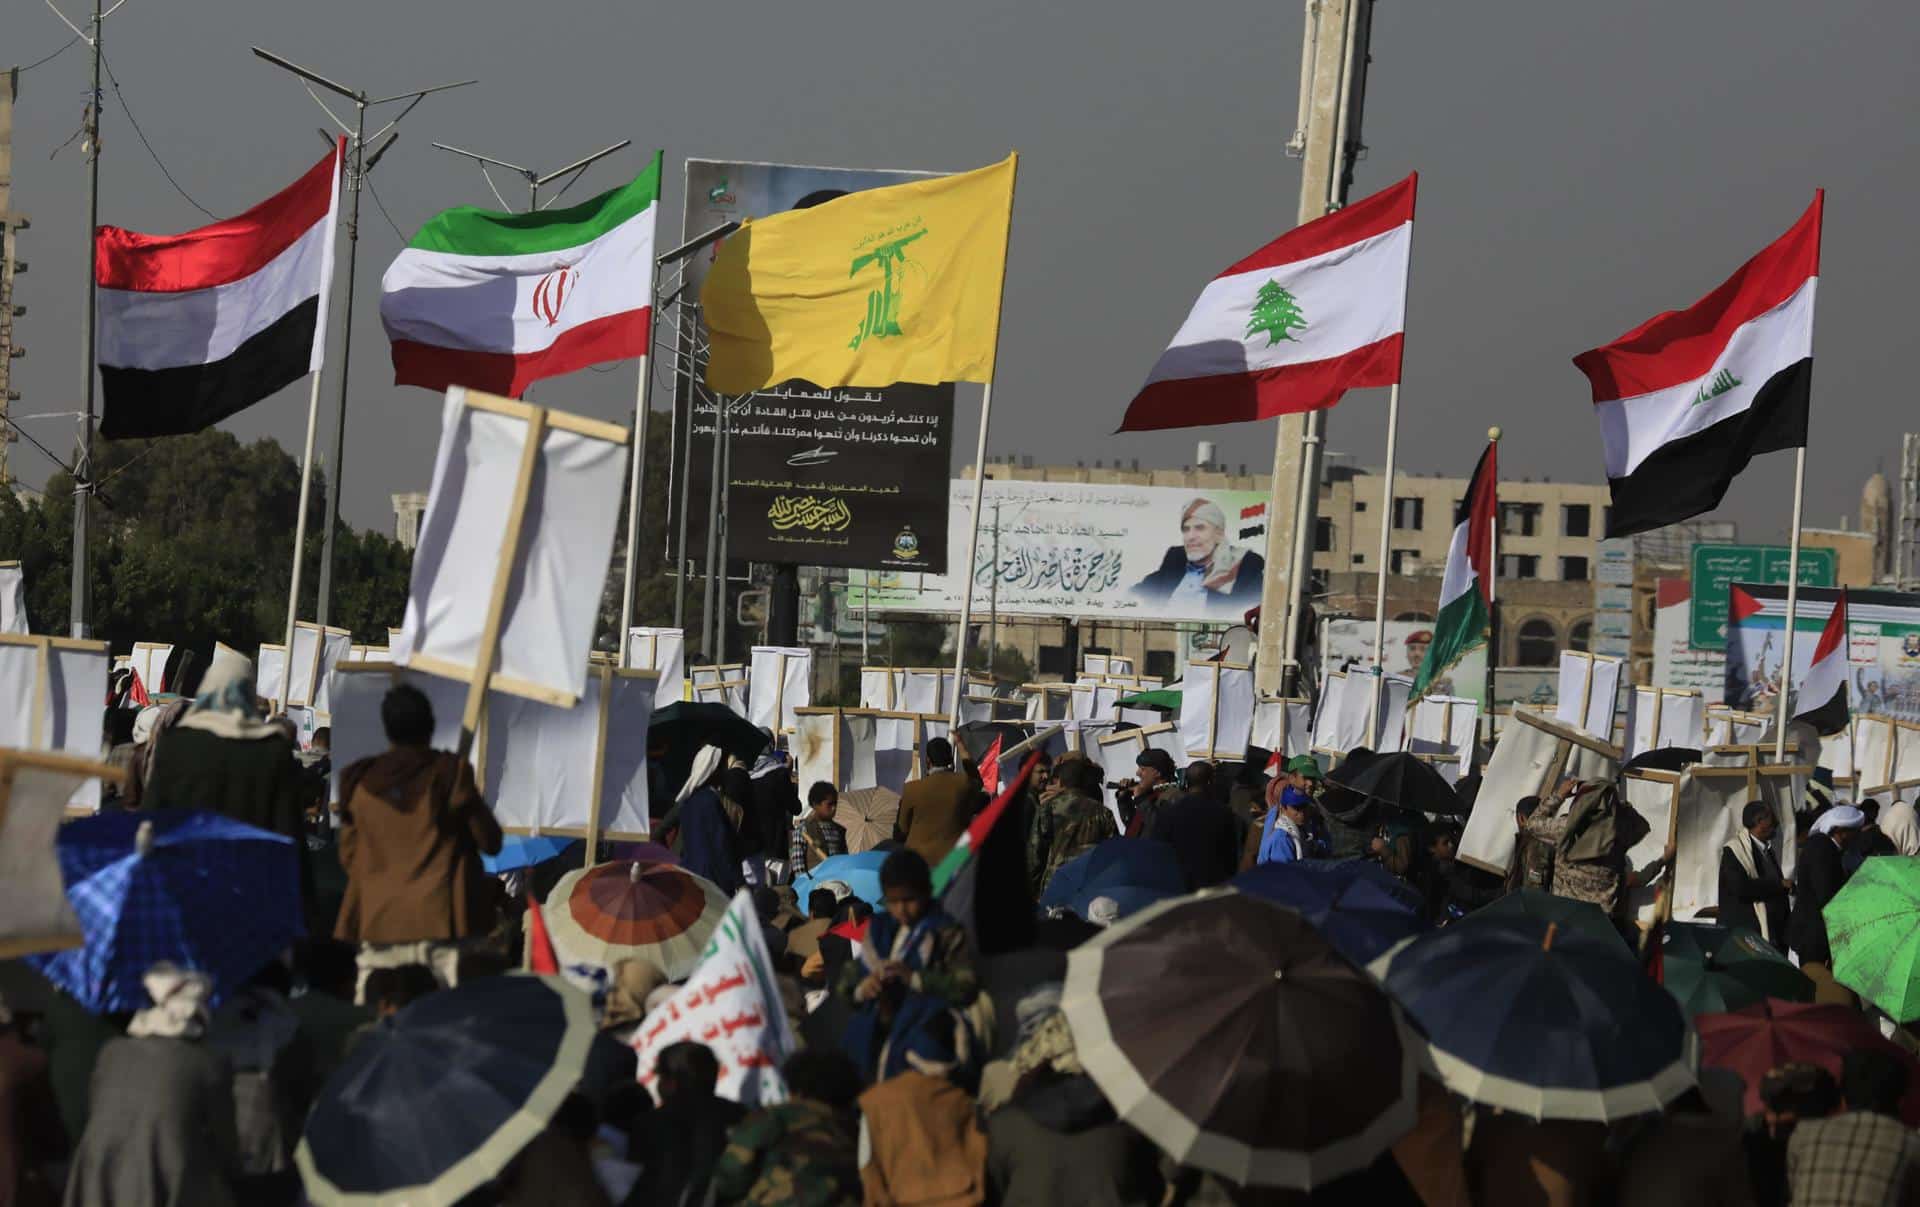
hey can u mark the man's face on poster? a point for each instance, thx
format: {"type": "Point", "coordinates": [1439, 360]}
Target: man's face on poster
{"type": "Point", "coordinates": [1200, 538]}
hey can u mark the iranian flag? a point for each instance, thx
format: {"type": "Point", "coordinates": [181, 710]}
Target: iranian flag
{"type": "Point", "coordinates": [498, 301]}
{"type": "Point", "coordinates": [1821, 700]}
{"type": "Point", "coordinates": [1689, 397]}
{"type": "Point", "coordinates": [1317, 312]}
{"type": "Point", "coordinates": [1466, 590]}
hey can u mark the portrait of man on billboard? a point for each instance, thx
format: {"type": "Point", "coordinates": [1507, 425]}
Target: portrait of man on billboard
{"type": "Point", "coordinates": [1205, 572]}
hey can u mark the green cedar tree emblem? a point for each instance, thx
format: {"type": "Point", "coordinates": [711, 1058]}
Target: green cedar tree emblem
{"type": "Point", "coordinates": [1276, 312]}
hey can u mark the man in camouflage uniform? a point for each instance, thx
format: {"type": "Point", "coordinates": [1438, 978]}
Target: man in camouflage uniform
{"type": "Point", "coordinates": [803, 1151]}
{"type": "Point", "coordinates": [1069, 820]}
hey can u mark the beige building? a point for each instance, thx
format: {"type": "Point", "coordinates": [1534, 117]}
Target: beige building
{"type": "Point", "coordinates": [408, 508]}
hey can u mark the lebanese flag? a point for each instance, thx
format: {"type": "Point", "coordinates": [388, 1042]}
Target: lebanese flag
{"type": "Point", "coordinates": [1689, 397]}
{"type": "Point", "coordinates": [1821, 700]}
{"type": "Point", "coordinates": [1466, 589]}
{"type": "Point", "coordinates": [197, 326]}
{"type": "Point", "coordinates": [499, 301]}
{"type": "Point", "coordinates": [1317, 312]}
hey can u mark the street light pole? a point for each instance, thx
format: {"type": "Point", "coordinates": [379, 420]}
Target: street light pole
{"type": "Point", "coordinates": [80, 599]}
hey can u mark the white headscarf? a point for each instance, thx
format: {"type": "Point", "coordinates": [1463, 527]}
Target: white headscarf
{"type": "Point", "coordinates": [1902, 827]}
{"type": "Point", "coordinates": [224, 706]}
{"type": "Point", "coordinates": [704, 765]}
{"type": "Point", "coordinates": [179, 1009]}
{"type": "Point", "coordinates": [1840, 817]}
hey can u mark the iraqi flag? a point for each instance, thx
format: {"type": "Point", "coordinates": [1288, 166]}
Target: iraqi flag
{"type": "Point", "coordinates": [1687, 398]}
{"type": "Point", "coordinates": [1317, 312]}
{"type": "Point", "coordinates": [197, 326]}
{"type": "Point", "coordinates": [1466, 589]}
{"type": "Point", "coordinates": [499, 301]}
{"type": "Point", "coordinates": [1821, 700]}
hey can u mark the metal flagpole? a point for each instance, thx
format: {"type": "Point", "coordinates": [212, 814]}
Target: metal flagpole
{"type": "Point", "coordinates": [362, 164]}
{"type": "Point", "coordinates": [637, 480]}
{"type": "Point", "coordinates": [81, 598]}
{"type": "Point", "coordinates": [713, 527]}
{"type": "Point", "coordinates": [1793, 599]}
{"type": "Point", "coordinates": [300, 533]}
{"type": "Point", "coordinates": [1493, 580]}
{"type": "Point", "coordinates": [1380, 579]}
{"type": "Point", "coordinates": [993, 595]}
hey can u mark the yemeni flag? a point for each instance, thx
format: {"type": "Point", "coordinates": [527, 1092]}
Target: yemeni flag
{"type": "Point", "coordinates": [1317, 312]}
{"type": "Point", "coordinates": [1687, 398]}
{"type": "Point", "coordinates": [1821, 700]}
{"type": "Point", "coordinates": [498, 301]}
{"type": "Point", "coordinates": [197, 326]}
{"type": "Point", "coordinates": [1466, 590]}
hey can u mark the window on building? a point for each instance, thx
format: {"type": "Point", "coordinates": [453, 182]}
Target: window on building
{"type": "Point", "coordinates": [1573, 569]}
{"type": "Point", "coordinates": [1404, 561]}
{"type": "Point", "coordinates": [1409, 513]}
{"type": "Point", "coordinates": [1519, 519]}
{"type": "Point", "coordinates": [1053, 660]}
{"type": "Point", "coordinates": [1160, 664]}
{"type": "Point", "coordinates": [1606, 518]}
{"type": "Point", "coordinates": [1323, 534]}
{"type": "Point", "coordinates": [1359, 504]}
{"type": "Point", "coordinates": [1519, 565]}
{"type": "Point", "coordinates": [1576, 519]}
{"type": "Point", "coordinates": [1414, 616]}
{"type": "Point", "coordinates": [1538, 645]}
{"type": "Point", "coordinates": [1317, 581]}
{"type": "Point", "coordinates": [1359, 559]}
{"type": "Point", "coordinates": [1580, 636]}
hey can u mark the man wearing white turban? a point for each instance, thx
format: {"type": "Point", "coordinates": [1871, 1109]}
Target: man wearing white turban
{"type": "Point", "coordinates": [1205, 571]}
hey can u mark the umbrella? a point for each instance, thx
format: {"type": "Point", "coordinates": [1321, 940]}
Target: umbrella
{"type": "Point", "coordinates": [868, 815]}
{"type": "Point", "coordinates": [1663, 758]}
{"type": "Point", "coordinates": [1717, 968]}
{"type": "Point", "coordinates": [1873, 925]}
{"type": "Point", "coordinates": [678, 731]}
{"type": "Point", "coordinates": [1166, 697]}
{"type": "Point", "coordinates": [625, 910]}
{"type": "Point", "coordinates": [520, 851]}
{"type": "Point", "coordinates": [861, 873]}
{"type": "Point", "coordinates": [202, 890]}
{"type": "Point", "coordinates": [1402, 780]}
{"type": "Point", "coordinates": [1554, 1025]}
{"type": "Point", "coordinates": [1134, 872]}
{"type": "Point", "coordinates": [1360, 907]}
{"type": "Point", "coordinates": [640, 852]}
{"type": "Point", "coordinates": [1229, 1032]}
{"type": "Point", "coordinates": [431, 1104]}
{"type": "Point", "coordinates": [1755, 1039]}
{"type": "Point", "coordinates": [1540, 909]}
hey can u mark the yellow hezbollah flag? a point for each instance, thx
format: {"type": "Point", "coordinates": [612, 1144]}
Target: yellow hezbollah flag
{"type": "Point", "coordinates": [886, 285]}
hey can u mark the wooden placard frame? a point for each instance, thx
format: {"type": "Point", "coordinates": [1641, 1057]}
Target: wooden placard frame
{"type": "Point", "coordinates": [1213, 753]}
{"type": "Point", "coordinates": [43, 672]}
{"type": "Point", "coordinates": [320, 634]}
{"type": "Point", "coordinates": [1593, 662]}
{"type": "Point", "coordinates": [1659, 695]}
{"type": "Point", "coordinates": [11, 762]}
{"type": "Point", "coordinates": [838, 713]}
{"type": "Point", "coordinates": [134, 660]}
{"type": "Point", "coordinates": [779, 685]}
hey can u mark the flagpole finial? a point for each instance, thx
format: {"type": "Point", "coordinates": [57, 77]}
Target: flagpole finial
{"type": "Point", "coordinates": [1493, 433]}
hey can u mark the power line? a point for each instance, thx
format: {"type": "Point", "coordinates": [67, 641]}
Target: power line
{"type": "Point", "coordinates": [64, 47]}
{"type": "Point", "coordinates": [379, 205]}
{"type": "Point", "coordinates": [135, 123]}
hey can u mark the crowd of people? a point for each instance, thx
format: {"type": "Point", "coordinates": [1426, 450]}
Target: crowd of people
{"type": "Point", "coordinates": [934, 1067]}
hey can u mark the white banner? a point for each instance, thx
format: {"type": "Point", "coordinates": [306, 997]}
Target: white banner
{"type": "Point", "coordinates": [1079, 549]}
{"type": "Point", "coordinates": [662, 650]}
{"type": "Point", "coordinates": [732, 1005]}
{"type": "Point", "coordinates": [1346, 644]}
{"type": "Point", "coordinates": [13, 599]}
{"type": "Point", "coordinates": [1658, 717]}
{"type": "Point", "coordinates": [781, 680]}
{"type": "Point", "coordinates": [53, 692]}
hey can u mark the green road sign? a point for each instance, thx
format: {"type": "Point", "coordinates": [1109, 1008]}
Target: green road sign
{"type": "Point", "coordinates": [1717, 567]}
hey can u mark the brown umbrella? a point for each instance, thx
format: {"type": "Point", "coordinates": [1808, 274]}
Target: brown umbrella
{"type": "Point", "coordinates": [868, 814]}
{"type": "Point", "coordinates": [1225, 1029]}
{"type": "Point", "coordinates": [626, 910]}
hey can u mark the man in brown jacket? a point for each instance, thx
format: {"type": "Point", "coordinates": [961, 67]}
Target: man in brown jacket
{"type": "Point", "coordinates": [413, 826]}
{"type": "Point", "coordinates": [935, 809]}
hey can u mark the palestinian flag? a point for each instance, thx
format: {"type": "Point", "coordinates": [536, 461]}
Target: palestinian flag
{"type": "Point", "coordinates": [1317, 312]}
{"type": "Point", "coordinates": [498, 301]}
{"type": "Point", "coordinates": [983, 881]}
{"type": "Point", "coordinates": [1821, 700]}
{"type": "Point", "coordinates": [1689, 397]}
{"type": "Point", "coordinates": [197, 326]}
{"type": "Point", "coordinates": [1466, 590]}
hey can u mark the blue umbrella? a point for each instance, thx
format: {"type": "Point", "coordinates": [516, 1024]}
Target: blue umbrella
{"type": "Point", "coordinates": [519, 851]}
{"type": "Point", "coordinates": [199, 889]}
{"type": "Point", "coordinates": [432, 1103]}
{"type": "Point", "coordinates": [860, 872]}
{"type": "Point", "coordinates": [1544, 1021]}
{"type": "Point", "coordinates": [1134, 872]}
{"type": "Point", "coordinates": [1359, 907]}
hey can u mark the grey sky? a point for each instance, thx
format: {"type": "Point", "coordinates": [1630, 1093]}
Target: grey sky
{"type": "Point", "coordinates": [1582, 166]}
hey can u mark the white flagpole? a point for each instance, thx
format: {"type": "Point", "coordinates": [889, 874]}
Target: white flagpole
{"type": "Point", "coordinates": [300, 536]}
{"type": "Point", "coordinates": [1380, 579]}
{"type": "Point", "coordinates": [1793, 600]}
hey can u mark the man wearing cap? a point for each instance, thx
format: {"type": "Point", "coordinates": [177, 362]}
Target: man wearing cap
{"type": "Point", "coordinates": [1142, 797]}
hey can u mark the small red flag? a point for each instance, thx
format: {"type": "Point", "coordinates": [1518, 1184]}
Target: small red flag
{"type": "Point", "coordinates": [990, 766]}
{"type": "Point", "coordinates": [137, 691]}
{"type": "Point", "coordinates": [540, 957]}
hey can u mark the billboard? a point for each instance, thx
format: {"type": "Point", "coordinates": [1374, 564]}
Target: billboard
{"type": "Point", "coordinates": [1883, 647]}
{"type": "Point", "coordinates": [842, 477]}
{"type": "Point", "coordinates": [1717, 567]}
{"type": "Point", "coordinates": [1347, 644]}
{"type": "Point", "coordinates": [1675, 662]}
{"type": "Point", "coordinates": [1103, 551]}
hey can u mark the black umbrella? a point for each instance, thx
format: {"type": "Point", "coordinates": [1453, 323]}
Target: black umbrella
{"type": "Point", "coordinates": [680, 730]}
{"type": "Point", "coordinates": [1404, 781]}
{"type": "Point", "coordinates": [1664, 758]}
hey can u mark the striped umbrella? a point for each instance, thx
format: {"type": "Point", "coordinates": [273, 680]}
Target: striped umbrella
{"type": "Point", "coordinates": [630, 910]}
{"type": "Point", "coordinates": [868, 815]}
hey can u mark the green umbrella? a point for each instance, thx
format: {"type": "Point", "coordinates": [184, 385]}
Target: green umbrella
{"type": "Point", "coordinates": [1540, 908]}
{"type": "Point", "coordinates": [1873, 925]}
{"type": "Point", "coordinates": [1167, 698]}
{"type": "Point", "coordinates": [1714, 969]}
